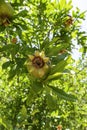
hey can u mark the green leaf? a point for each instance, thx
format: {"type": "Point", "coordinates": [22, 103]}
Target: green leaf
{"type": "Point", "coordinates": [62, 4]}
{"type": "Point", "coordinates": [5, 123]}
{"type": "Point", "coordinates": [2, 123]}
{"type": "Point", "coordinates": [54, 76]}
{"type": "Point", "coordinates": [37, 86]}
{"type": "Point", "coordinates": [63, 94]}
{"type": "Point", "coordinates": [23, 111]}
{"type": "Point", "coordinates": [6, 64]}
{"type": "Point", "coordinates": [12, 72]}
{"type": "Point", "coordinates": [22, 13]}
{"type": "Point", "coordinates": [51, 102]}
{"type": "Point", "coordinates": [54, 50]}
{"type": "Point", "coordinates": [60, 66]}
{"type": "Point", "coordinates": [10, 48]}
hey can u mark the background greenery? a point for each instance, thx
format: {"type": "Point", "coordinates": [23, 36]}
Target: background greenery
{"type": "Point", "coordinates": [60, 98]}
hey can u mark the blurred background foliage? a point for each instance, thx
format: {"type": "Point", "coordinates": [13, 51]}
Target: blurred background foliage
{"type": "Point", "coordinates": [27, 103]}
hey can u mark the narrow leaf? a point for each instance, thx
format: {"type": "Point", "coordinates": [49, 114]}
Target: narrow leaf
{"type": "Point", "coordinates": [60, 66]}
{"type": "Point", "coordinates": [63, 94]}
{"type": "Point", "coordinates": [6, 64]}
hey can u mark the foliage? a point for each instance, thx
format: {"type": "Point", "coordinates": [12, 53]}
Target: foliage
{"type": "Point", "coordinates": [30, 103]}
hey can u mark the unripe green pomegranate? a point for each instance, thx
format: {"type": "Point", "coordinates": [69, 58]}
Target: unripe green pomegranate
{"type": "Point", "coordinates": [37, 64]}
{"type": "Point", "coordinates": [6, 13]}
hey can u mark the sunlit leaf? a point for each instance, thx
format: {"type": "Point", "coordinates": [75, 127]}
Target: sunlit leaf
{"type": "Point", "coordinates": [62, 94]}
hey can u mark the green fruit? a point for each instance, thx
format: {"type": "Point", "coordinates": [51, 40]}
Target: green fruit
{"type": "Point", "coordinates": [37, 64]}
{"type": "Point", "coordinates": [6, 11]}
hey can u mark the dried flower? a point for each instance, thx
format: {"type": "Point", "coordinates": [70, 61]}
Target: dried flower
{"type": "Point", "coordinates": [59, 127]}
{"type": "Point", "coordinates": [14, 40]}
{"type": "Point", "coordinates": [62, 51]}
{"type": "Point", "coordinates": [37, 64]}
{"type": "Point", "coordinates": [69, 21]}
